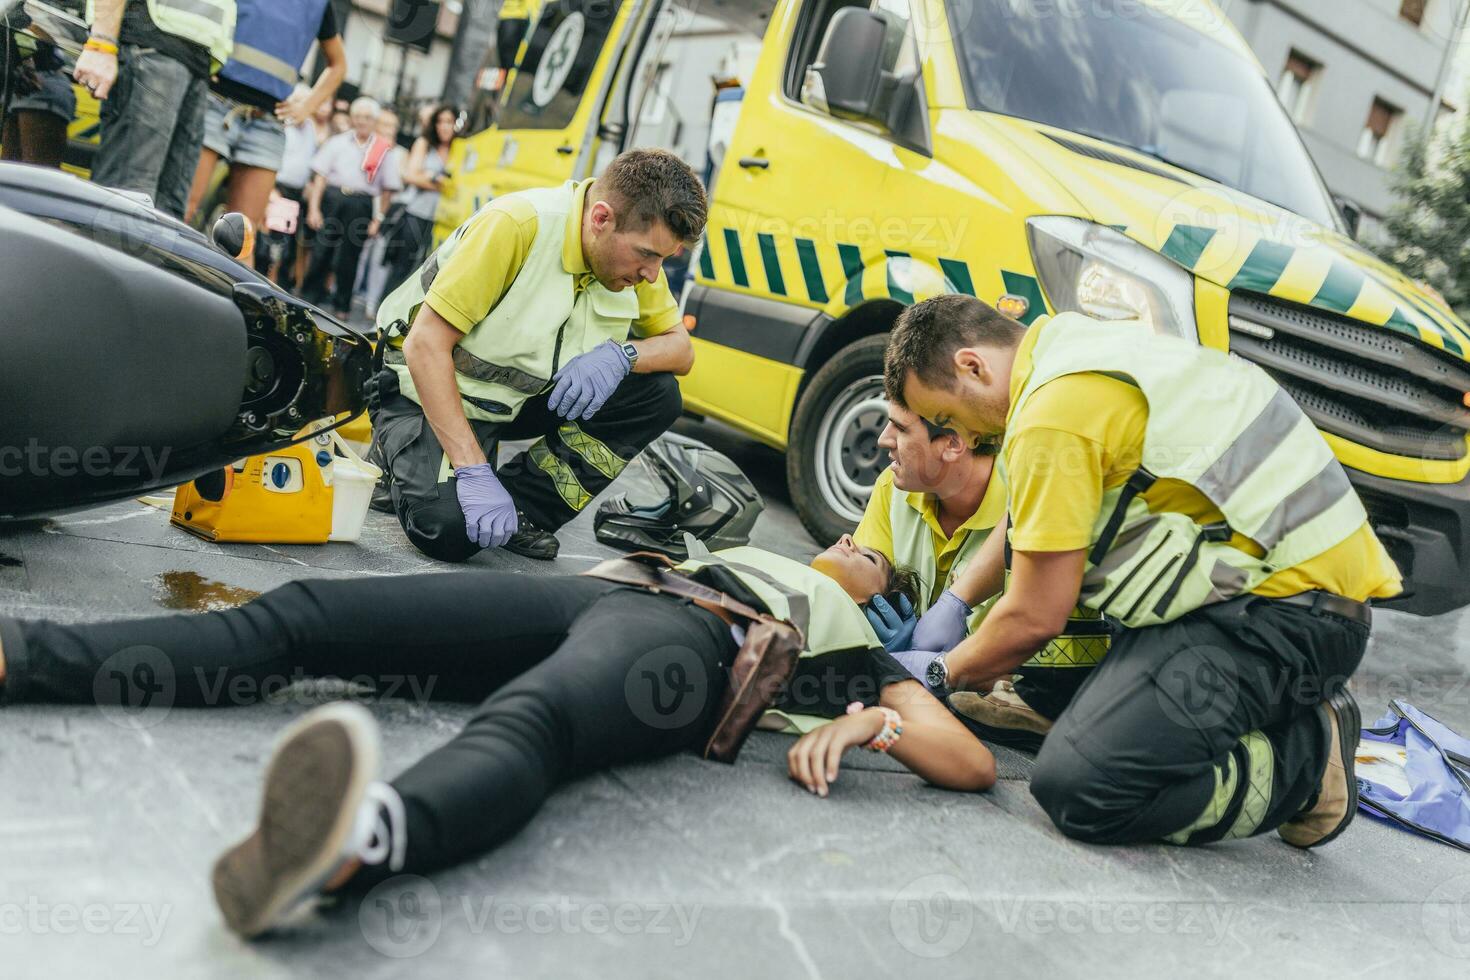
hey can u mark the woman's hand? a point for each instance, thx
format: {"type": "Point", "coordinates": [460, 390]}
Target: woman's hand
{"type": "Point", "coordinates": [814, 760]}
{"type": "Point", "coordinates": [293, 111]}
{"type": "Point", "coordinates": [315, 219]}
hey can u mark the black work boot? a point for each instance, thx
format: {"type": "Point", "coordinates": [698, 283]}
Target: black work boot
{"type": "Point", "coordinates": [532, 542]}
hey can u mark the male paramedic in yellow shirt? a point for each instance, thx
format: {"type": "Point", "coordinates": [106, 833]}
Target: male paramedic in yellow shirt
{"type": "Point", "coordinates": [518, 327]}
{"type": "Point", "coordinates": [1183, 494]}
{"type": "Point", "coordinates": [934, 511]}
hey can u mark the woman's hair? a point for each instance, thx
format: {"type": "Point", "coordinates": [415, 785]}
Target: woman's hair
{"type": "Point", "coordinates": [902, 582]}
{"type": "Point", "coordinates": [432, 132]}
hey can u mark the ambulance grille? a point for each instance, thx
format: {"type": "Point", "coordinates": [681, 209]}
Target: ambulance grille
{"type": "Point", "coordinates": [1374, 387]}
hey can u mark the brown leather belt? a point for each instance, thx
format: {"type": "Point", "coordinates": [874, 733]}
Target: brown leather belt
{"type": "Point", "coordinates": [1336, 605]}
{"type": "Point", "coordinates": [762, 666]}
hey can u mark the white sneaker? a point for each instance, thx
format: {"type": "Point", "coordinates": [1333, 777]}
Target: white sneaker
{"type": "Point", "coordinates": [321, 807]}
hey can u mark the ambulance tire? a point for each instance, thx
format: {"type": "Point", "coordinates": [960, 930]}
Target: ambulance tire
{"type": "Point", "coordinates": [832, 457]}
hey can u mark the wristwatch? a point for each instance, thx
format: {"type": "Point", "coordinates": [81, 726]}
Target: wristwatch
{"type": "Point", "coordinates": [631, 353]}
{"type": "Point", "coordinates": [937, 676]}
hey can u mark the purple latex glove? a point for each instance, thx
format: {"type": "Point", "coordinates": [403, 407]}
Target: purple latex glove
{"type": "Point", "coordinates": [917, 662]}
{"type": "Point", "coordinates": [489, 513]}
{"type": "Point", "coordinates": [588, 380]}
{"type": "Point", "coordinates": [943, 625]}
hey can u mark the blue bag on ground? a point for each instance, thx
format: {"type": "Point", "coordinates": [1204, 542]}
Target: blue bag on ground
{"type": "Point", "coordinates": [1415, 772]}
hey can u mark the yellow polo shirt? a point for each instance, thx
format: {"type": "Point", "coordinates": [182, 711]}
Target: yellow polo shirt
{"type": "Point", "coordinates": [493, 250]}
{"type": "Point", "coordinates": [876, 529]}
{"type": "Point", "coordinates": [1082, 434]}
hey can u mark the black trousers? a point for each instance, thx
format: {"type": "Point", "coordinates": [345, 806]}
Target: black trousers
{"type": "Point", "coordinates": [338, 247]}
{"type": "Point", "coordinates": [551, 482]}
{"type": "Point", "coordinates": [406, 250]}
{"type": "Point", "coordinates": [1201, 729]}
{"type": "Point", "coordinates": [575, 675]}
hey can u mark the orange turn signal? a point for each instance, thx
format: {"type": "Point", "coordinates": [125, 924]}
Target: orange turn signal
{"type": "Point", "coordinates": [1013, 306]}
{"type": "Point", "coordinates": [690, 321]}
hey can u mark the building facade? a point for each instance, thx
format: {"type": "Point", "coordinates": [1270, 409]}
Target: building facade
{"type": "Point", "coordinates": [1358, 76]}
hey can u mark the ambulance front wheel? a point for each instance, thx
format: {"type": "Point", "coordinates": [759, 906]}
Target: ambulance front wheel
{"type": "Point", "coordinates": [833, 458]}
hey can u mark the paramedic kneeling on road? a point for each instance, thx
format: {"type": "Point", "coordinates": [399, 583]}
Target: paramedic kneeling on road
{"type": "Point", "coordinates": [520, 328]}
{"type": "Point", "coordinates": [1183, 493]}
{"type": "Point", "coordinates": [936, 511]}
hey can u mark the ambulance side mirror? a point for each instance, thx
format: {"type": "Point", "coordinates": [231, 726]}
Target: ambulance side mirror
{"type": "Point", "coordinates": [1352, 214]}
{"type": "Point", "coordinates": [844, 78]}
{"type": "Point", "coordinates": [848, 80]}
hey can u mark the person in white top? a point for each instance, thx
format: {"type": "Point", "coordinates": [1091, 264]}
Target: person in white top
{"type": "Point", "coordinates": [353, 170]}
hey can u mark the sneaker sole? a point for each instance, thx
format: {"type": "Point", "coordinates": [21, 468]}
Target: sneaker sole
{"type": "Point", "coordinates": [307, 812]}
{"type": "Point", "coordinates": [1349, 730]}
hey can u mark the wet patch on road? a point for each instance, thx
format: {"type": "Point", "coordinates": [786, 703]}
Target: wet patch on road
{"type": "Point", "coordinates": [192, 592]}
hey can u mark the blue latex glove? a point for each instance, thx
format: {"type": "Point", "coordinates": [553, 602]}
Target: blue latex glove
{"type": "Point", "coordinates": [944, 625]}
{"type": "Point", "coordinates": [489, 513]}
{"type": "Point", "coordinates": [895, 627]}
{"type": "Point", "coordinates": [917, 662]}
{"type": "Point", "coordinates": [588, 380]}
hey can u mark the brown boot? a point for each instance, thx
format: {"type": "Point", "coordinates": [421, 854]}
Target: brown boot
{"type": "Point", "coordinates": [1002, 717]}
{"type": "Point", "coordinates": [1337, 798]}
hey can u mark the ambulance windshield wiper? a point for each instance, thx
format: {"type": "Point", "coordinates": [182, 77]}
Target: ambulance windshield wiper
{"type": "Point", "coordinates": [1156, 153]}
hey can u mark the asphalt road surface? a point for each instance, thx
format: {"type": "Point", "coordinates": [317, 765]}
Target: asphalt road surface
{"type": "Point", "coordinates": [679, 868]}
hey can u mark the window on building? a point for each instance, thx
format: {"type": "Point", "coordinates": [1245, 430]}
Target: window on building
{"type": "Point", "coordinates": [1375, 143]}
{"type": "Point", "coordinates": [1413, 11]}
{"type": "Point", "coordinates": [1298, 85]}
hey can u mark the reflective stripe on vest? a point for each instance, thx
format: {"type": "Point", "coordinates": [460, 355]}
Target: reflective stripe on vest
{"type": "Point", "coordinates": [208, 23]}
{"type": "Point", "coordinates": [1222, 426]}
{"type": "Point", "coordinates": [793, 591]}
{"type": "Point", "coordinates": [272, 40]}
{"type": "Point", "coordinates": [538, 325]}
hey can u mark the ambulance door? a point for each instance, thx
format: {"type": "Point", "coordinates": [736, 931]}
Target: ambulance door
{"type": "Point", "coordinates": [794, 202]}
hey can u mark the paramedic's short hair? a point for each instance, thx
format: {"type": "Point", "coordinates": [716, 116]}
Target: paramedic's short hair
{"type": "Point", "coordinates": [927, 334]}
{"type": "Point", "coordinates": [654, 185]}
{"type": "Point", "coordinates": [366, 104]}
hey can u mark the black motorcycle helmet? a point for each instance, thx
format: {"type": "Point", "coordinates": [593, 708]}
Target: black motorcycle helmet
{"type": "Point", "coordinates": [708, 497]}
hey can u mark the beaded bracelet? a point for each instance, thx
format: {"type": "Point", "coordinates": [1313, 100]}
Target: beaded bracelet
{"type": "Point", "coordinates": [888, 737]}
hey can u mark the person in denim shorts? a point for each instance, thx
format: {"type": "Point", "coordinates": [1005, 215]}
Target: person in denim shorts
{"type": "Point", "coordinates": [246, 128]}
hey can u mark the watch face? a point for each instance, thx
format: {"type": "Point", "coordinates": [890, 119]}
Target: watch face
{"type": "Point", "coordinates": [936, 674]}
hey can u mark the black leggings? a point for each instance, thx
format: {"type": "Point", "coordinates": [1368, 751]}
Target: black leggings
{"type": "Point", "coordinates": [575, 675]}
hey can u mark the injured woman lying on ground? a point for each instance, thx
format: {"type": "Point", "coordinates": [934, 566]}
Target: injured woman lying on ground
{"type": "Point", "coordinates": [573, 674]}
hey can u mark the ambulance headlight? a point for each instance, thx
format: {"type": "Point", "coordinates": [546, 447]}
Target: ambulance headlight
{"type": "Point", "coordinates": [1093, 269]}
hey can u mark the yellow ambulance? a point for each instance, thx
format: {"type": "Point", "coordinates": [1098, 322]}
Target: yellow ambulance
{"type": "Point", "coordinates": [1124, 158]}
